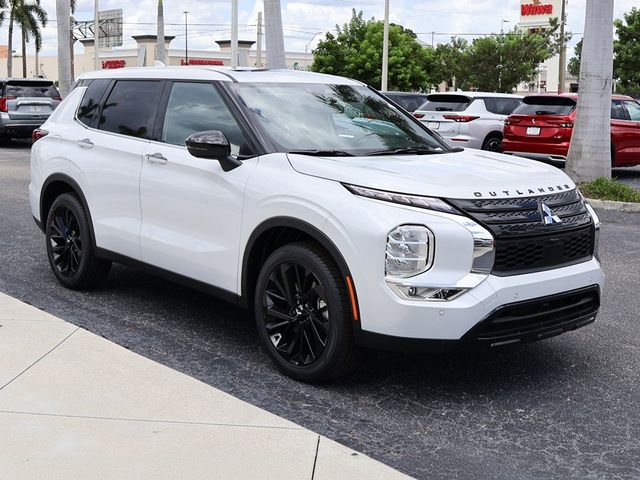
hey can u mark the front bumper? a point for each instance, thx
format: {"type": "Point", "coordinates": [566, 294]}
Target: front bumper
{"type": "Point", "coordinates": [515, 323]}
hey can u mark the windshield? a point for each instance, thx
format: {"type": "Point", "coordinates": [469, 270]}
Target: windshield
{"type": "Point", "coordinates": [31, 89]}
{"type": "Point", "coordinates": [546, 106]}
{"type": "Point", "coordinates": [333, 119]}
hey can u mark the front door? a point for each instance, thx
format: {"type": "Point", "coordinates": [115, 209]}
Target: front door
{"type": "Point", "coordinates": [191, 208]}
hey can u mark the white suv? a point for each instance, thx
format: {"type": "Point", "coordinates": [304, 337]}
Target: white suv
{"type": "Point", "coordinates": [335, 217]}
{"type": "Point", "coordinates": [469, 119]}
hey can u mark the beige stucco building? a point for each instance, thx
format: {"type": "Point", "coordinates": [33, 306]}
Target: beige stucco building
{"type": "Point", "coordinates": [144, 54]}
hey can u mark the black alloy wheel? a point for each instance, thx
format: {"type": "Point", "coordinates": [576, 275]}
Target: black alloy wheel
{"type": "Point", "coordinates": [65, 242]}
{"type": "Point", "coordinates": [493, 144]}
{"type": "Point", "coordinates": [69, 247]}
{"type": "Point", "coordinates": [303, 314]}
{"type": "Point", "coordinates": [296, 313]}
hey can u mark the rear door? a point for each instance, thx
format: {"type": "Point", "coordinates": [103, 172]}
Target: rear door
{"type": "Point", "coordinates": [626, 133]}
{"type": "Point", "coordinates": [441, 112]}
{"type": "Point", "coordinates": [543, 119]}
{"type": "Point", "coordinates": [30, 100]}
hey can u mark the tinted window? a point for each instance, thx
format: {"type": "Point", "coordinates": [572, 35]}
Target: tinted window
{"type": "Point", "coordinates": [446, 103]}
{"type": "Point", "coordinates": [410, 102]}
{"type": "Point", "coordinates": [91, 100]}
{"type": "Point", "coordinates": [634, 110]}
{"type": "Point", "coordinates": [196, 107]}
{"type": "Point", "coordinates": [130, 108]}
{"type": "Point", "coordinates": [32, 89]}
{"type": "Point", "coordinates": [501, 106]}
{"type": "Point", "coordinates": [617, 111]}
{"type": "Point", "coordinates": [546, 106]}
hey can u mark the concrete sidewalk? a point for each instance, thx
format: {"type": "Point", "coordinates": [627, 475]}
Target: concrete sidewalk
{"type": "Point", "coordinates": [76, 406]}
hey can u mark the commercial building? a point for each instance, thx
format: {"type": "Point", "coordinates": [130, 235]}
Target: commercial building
{"type": "Point", "coordinates": [144, 54]}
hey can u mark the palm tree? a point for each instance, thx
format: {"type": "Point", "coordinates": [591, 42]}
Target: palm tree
{"type": "Point", "coordinates": [28, 14]}
{"type": "Point", "coordinates": [590, 152]}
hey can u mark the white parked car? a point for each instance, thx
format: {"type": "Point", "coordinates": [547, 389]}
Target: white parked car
{"type": "Point", "coordinates": [469, 119]}
{"type": "Point", "coordinates": [335, 217]}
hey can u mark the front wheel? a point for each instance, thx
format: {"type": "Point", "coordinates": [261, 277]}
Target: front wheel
{"type": "Point", "coordinates": [302, 314]}
{"type": "Point", "coordinates": [69, 248]}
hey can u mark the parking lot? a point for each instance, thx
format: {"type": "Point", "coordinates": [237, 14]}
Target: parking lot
{"type": "Point", "coordinates": [563, 408]}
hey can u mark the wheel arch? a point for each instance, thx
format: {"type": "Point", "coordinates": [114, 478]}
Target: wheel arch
{"type": "Point", "coordinates": [54, 186]}
{"type": "Point", "coordinates": [276, 232]}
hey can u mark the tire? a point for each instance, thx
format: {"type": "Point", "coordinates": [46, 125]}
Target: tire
{"type": "Point", "coordinates": [69, 248]}
{"type": "Point", "coordinates": [311, 338]}
{"type": "Point", "coordinates": [493, 143]}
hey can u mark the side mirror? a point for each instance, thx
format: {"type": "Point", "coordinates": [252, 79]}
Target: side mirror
{"type": "Point", "coordinates": [213, 145]}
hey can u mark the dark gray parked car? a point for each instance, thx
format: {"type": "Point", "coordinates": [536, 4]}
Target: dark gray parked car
{"type": "Point", "coordinates": [25, 104]}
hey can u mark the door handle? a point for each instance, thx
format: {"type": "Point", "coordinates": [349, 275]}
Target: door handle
{"type": "Point", "coordinates": [157, 158]}
{"type": "Point", "coordinates": [85, 143]}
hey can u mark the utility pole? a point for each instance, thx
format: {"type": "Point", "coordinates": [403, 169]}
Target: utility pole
{"type": "Point", "coordinates": [160, 50]}
{"type": "Point", "coordinates": [385, 48]}
{"type": "Point", "coordinates": [259, 42]}
{"type": "Point", "coordinates": [96, 37]}
{"type": "Point", "coordinates": [186, 38]}
{"type": "Point", "coordinates": [563, 48]}
{"type": "Point", "coordinates": [274, 35]}
{"type": "Point", "coordinates": [234, 33]}
{"type": "Point", "coordinates": [63, 14]}
{"type": "Point", "coordinates": [502, 22]}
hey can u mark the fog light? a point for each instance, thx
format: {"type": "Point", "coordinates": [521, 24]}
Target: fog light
{"type": "Point", "coordinates": [411, 292]}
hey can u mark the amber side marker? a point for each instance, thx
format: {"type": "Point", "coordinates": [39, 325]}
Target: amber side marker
{"type": "Point", "coordinates": [352, 298]}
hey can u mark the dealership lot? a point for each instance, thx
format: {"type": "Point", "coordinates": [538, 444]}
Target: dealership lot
{"type": "Point", "coordinates": [564, 408]}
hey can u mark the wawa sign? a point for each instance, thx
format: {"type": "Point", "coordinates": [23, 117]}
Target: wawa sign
{"type": "Point", "coordinates": [536, 8]}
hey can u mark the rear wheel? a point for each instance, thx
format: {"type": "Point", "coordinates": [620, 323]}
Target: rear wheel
{"type": "Point", "coordinates": [302, 314]}
{"type": "Point", "coordinates": [493, 143]}
{"type": "Point", "coordinates": [69, 248]}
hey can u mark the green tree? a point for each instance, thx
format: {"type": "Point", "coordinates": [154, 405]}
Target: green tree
{"type": "Point", "coordinates": [574, 63]}
{"type": "Point", "coordinates": [453, 59]}
{"type": "Point", "coordinates": [355, 51]}
{"type": "Point", "coordinates": [30, 16]}
{"type": "Point", "coordinates": [626, 64]}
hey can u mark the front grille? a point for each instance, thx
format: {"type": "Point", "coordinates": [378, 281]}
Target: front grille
{"type": "Point", "coordinates": [537, 319]}
{"type": "Point", "coordinates": [524, 244]}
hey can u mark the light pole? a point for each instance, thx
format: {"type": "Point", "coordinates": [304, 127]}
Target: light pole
{"type": "Point", "coordinates": [186, 38]}
{"type": "Point", "coordinates": [500, 45]}
{"type": "Point", "coordinates": [563, 50]}
{"type": "Point", "coordinates": [385, 48]}
{"type": "Point", "coordinates": [96, 37]}
{"type": "Point", "coordinates": [234, 33]}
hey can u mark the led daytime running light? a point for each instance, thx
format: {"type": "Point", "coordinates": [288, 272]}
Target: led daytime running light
{"type": "Point", "coordinates": [428, 203]}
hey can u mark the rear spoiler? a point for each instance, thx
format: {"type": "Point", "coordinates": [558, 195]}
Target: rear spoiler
{"type": "Point", "coordinates": [549, 100]}
{"type": "Point", "coordinates": [447, 97]}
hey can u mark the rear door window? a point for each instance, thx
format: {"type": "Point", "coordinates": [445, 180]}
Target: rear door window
{"type": "Point", "coordinates": [546, 106]}
{"type": "Point", "coordinates": [32, 89]}
{"type": "Point", "coordinates": [446, 103]}
{"type": "Point", "coordinates": [88, 109]}
{"type": "Point", "coordinates": [634, 110]}
{"type": "Point", "coordinates": [130, 109]}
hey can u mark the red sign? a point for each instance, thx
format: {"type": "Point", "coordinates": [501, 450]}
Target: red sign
{"type": "Point", "coordinates": [536, 9]}
{"type": "Point", "coordinates": [202, 61]}
{"type": "Point", "coordinates": [108, 64]}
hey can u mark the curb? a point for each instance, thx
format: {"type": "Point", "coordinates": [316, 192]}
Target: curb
{"type": "Point", "coordinates": [618, 206]}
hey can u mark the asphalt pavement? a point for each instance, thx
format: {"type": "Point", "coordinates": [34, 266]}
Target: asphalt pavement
{"type": "Point", "coordinates": [563, 408]}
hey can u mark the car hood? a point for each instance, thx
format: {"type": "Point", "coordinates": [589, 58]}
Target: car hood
{"type": "Point", "coordinates": [465, 175]}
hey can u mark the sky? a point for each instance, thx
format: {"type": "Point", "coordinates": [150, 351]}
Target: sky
{"type": "Point", "coordinates": [306, 21]}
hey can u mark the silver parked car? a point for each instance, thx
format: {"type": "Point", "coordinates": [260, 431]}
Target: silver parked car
{"type": "Point", "coordinates": [25, 104]}
{"type": "Point", "coordinates": [469, 119]}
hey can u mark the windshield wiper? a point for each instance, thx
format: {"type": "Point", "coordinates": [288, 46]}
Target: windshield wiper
{"type": "Point", "coordinates": [323, 153]}
{"type": "Point", "coordinates": [404, 151]}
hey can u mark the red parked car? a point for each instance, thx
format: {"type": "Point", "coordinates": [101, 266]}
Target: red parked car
{"type": "Point", "coordinates": [541, 129]}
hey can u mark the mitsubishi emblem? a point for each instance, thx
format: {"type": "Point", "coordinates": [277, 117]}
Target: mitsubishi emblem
{"type": "Point", "coordinates": [547, 215]}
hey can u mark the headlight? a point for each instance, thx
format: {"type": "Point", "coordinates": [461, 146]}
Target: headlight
{"type": "Point", "coordinates": [429, 203]}
{"type": "Point", "coordinates": [410, 250]}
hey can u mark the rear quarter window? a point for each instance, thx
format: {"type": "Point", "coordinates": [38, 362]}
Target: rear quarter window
{"type": "Point", "coordinates": [446, 103]}
{"type": "Point", "coordinates": [88, 109]}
